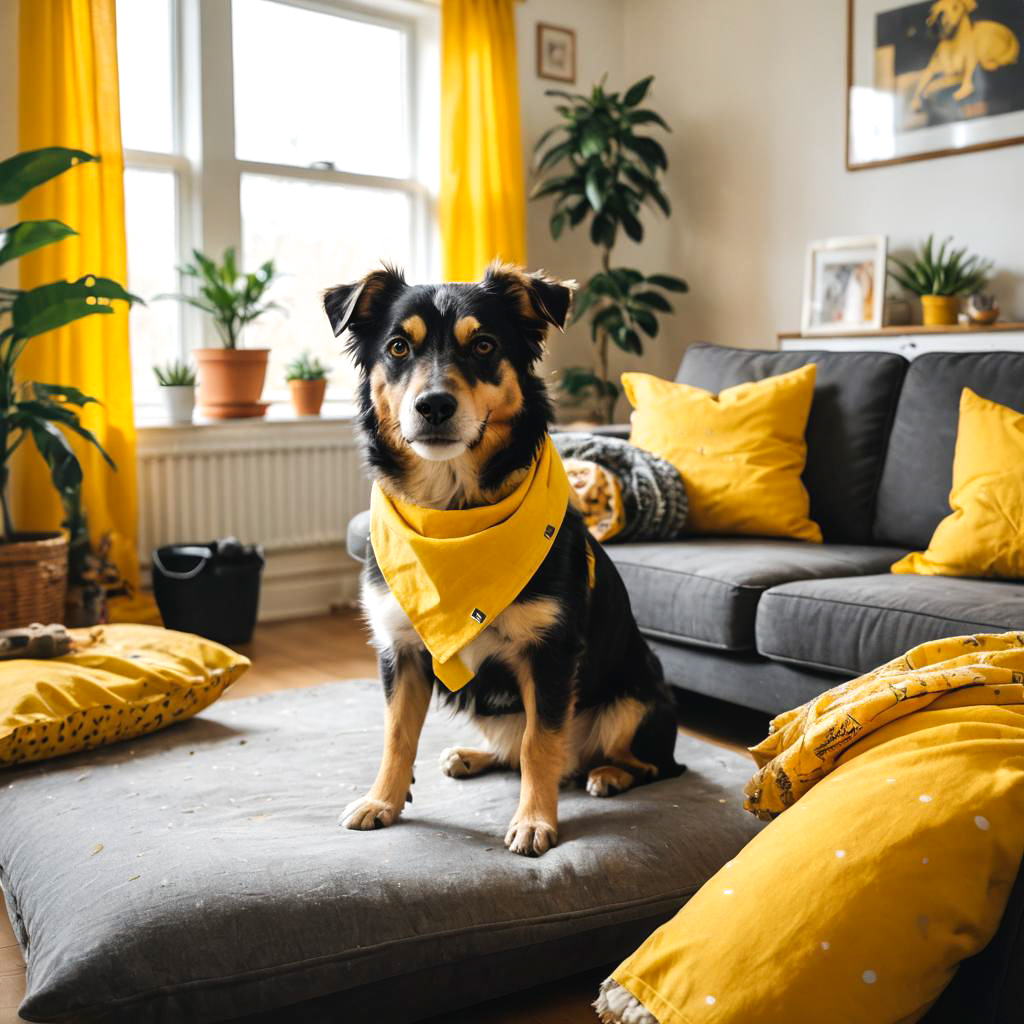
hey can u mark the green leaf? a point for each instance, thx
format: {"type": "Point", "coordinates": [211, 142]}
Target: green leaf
{"type": "Point", "coordinates": [30, 235]}
{"type": "Point", "coordinates": [54, 305]}
{"type": "Point", "coordinates": [538, 145]}
{"type": "Point", "coordinates": [65, 470]}
{"type": "Point", "coordinates": [647, 321]}
{"type": "Point", "coordinates": [650, 151]}
{"type": "Point", "coordinates": [661, 199]}
{"type": "Point", "coordinates": [557, 225]}
{"type": "Point", "coordinates": [33, 413]}
{"type": "Point", "coordinates": [595, 193]}
{"type": "Point", "coordinates": [668, 283]}
{"type": "Point", "coordinates": [637, 92]}
{"type": "Point", "coordinates": [628, 340]}
{"type": "Point", "coordinates": [608, 319]}
{"type": "Point", "coordinates": [648, 117]}
{"type": "Point", "coordinates": [70, 395]}
{"type": "Point", "coordinates": [21, 173]}
{"type": "Point", "coordinates": [578, 212]}
{"type": "Point", "coordinates": [554, 155]}
{"type": "Point", "coordinates": [593, 141]}
{"type": "Point", "coordinates": [558, 184]}
{"type": "Point", "coordinates": [633, 227]}
{"type": "Point", "coordinates": [655, 300]}
{"type": "Point", "coordinates": [625, 278]}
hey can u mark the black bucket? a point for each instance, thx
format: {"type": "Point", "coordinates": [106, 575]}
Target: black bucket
{"type": "Point", "coordinates": [210, 589]}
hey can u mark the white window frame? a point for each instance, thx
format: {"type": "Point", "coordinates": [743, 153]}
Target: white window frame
{"type": "Point", "coordinates": [208, 173]}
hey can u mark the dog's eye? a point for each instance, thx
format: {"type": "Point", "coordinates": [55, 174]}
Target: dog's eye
{"type": "Point", "coordinates": [398, 348]}
{"type": "Point", "coordinates": [483, 346]}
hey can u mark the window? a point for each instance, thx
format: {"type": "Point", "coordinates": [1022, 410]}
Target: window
{"type": "Point", "coordinates": [315, 145]}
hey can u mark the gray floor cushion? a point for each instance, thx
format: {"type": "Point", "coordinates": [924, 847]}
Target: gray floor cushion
{"type": "Point", "coordinates": [199, 874]}
{"type": "Point", "coordinates": [852, 625]}
{"type": "Point", "coordinates": [705, 590]}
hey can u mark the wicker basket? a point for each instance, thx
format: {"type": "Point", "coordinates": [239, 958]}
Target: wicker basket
{"type": "Point", "coordinates": [33, 579]}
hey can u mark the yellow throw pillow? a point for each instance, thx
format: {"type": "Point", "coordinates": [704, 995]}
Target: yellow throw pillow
{"type": "Point", "coordinates": [121, 681]}
{"type": "Point", "coordinates": [740, 453]}
{"type": "Point", "coordinates": [858, 902]}
{"type": "Point", "coordinates": [984, 534]}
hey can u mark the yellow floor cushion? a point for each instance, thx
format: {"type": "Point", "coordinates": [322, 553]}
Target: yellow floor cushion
{"type": "Point", "coordinates": [119, 681]}
{"type": "Point", "coordinates": [740, 453]}
{"type": "Point", "coordinates": [857, 903]}
{"type": "Point", "coordinates": [984, 534]}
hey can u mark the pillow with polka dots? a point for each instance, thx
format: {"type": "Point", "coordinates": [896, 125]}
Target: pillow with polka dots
{"type": "Point", "coordinates": [118, 682]}
{"type": "Point", "coordinates": [857, 903]}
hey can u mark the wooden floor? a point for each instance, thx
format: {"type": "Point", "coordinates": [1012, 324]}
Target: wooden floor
{"type": "Point", "coordinates": [287, 655]}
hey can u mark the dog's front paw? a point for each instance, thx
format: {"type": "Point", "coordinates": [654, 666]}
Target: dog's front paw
{"type": "Point", "coordinates": [531, 837]}
{"type": "Point", "coordinates": [463, 763]}
{"type": "Point", "coordinates": [366, 813]}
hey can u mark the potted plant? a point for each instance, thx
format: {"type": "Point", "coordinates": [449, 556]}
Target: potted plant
{"type": "Point", "coordinates": [34, 566]}
{"type": "Point", "coordinates": [230, 378]}
{"type": "Point", "coordinates": [177, 382]}
{"type": "Point", "coordinates": [307, 382]}
{"type": "Point", "coordinates": [940, 279]}
{"type": "Point", "coordinates": [599, 166]}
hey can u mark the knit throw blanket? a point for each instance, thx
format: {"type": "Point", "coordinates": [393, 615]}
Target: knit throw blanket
{"type": "Point", "coordinates": [626, 494]}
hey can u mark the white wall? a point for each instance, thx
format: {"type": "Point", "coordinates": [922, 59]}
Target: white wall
{"type": "Point", "coordinates": [756, 94]}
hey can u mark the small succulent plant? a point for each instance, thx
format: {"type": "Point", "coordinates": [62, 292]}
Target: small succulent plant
{"type": "Point", "coordinates": [306, 367]}
{"type": "Point", "coordinates": [175, 374]}
{"type": "Point", "coordinates": [945, 272]}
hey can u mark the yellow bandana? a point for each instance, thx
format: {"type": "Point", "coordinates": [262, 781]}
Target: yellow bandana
{"type": "Point", "coordinates": [453, 572]}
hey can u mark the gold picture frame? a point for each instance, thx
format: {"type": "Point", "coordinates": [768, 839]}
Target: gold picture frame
{"type": "Point", "coordinates": [556, 53]}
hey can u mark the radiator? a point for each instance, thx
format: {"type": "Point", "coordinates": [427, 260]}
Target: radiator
{"type": "Point", "coordinates": [290, 486]}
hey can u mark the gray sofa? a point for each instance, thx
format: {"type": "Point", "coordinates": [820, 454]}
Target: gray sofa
{"type": "Point", "coordinates": [771, 623]}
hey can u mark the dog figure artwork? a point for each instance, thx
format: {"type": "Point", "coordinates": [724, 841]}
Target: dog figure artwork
{"type": "Point", "coordinates": [481, 581]}
{"type": "Point", "coordinates": [964, 46]}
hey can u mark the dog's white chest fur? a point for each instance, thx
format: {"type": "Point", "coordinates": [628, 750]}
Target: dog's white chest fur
{"type": "Point", "coordinates": [518, 626]}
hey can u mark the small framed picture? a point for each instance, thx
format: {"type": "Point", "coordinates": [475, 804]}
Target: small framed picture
{"type": "Point", "coordinates": [844, 285]}
{"type": "Point", "coordinates": [556, 53]}
{"type": "Point", "coordinates": [932, 78]}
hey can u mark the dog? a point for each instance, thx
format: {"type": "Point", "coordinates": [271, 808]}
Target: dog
{"type": "Point", "coordinates": [964, 46]}
{"type": "Point", "coordinates": [452, 415]}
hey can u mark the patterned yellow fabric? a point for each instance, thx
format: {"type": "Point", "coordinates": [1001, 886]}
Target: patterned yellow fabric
{"type": "Point", "coordinates": [120, 682]}
{"type": "Point", "coordinates": [454, 572]}
{"type": "Point", "coordinates": [857, 904]}
{"type": "Point", "coordinates": [598, 496]}
{"type": "Point", "coordinates": [740, 453]}
{"type": "Point", "coordinates": [984, 534]}
{"type": "Point", "coordinates": [805, 744]}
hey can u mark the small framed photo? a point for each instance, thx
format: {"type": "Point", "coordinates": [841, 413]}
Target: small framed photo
{"type": "Point", "coordinates": [556, 53]}
{"type": "Point", "coordinates": [844, 285]}
{"type": "Point", "coordinates": [932, 78]}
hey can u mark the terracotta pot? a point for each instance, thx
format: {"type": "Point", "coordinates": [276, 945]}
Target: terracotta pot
{"type": "Point", "coordinates": [33, 579]}
{"type": "Point", "coordinates": [231, 381]}
{"type": "Point", "coordinates": [307, 396]}
{"type": "Point", "coordinates": [940, 310]}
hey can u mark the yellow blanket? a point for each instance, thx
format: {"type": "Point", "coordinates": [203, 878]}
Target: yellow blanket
{"type": "Point", "coordinates": [805, 744]}
{"type": "Point", "coordinates": [893, 863]}
{"type": "Point", "coordinates": [453, 572]}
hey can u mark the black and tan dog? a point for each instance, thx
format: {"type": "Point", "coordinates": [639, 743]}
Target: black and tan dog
{"type": "Point", "coordinates": [452, 416]}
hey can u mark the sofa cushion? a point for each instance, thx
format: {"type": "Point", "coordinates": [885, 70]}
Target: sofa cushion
{"type": "Point", "coordinates": [850, 626]}
{"type": "Point", "coordinates": [855, 396]}
{"type": "Point", "coordinates": [705, 591]}
{"type": "Point", "coordinates": [199, 874]}
{"type": "Point", "coordinates": [913, 496]}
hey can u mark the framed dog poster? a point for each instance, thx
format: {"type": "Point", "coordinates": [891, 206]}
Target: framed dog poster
{"type": "Point", "coordinates": [933, 78]}
{"type": "Point", "coordinates": [844, 285]}
{"type": "Point", "coordinates": [556, 53]}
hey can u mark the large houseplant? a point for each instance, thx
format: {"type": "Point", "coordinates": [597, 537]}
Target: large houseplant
{"type": "Point", "coordinates": [600, 168]}
{"type": "Point", "coordinates": [939, 278]}
{"type": "Point", "coordinates": [230, 378]}
{"type": "Point", "coordinates": [33, 566]}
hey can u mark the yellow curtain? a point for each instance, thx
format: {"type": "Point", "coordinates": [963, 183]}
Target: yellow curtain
{"type": "Point", "coordinates": [483, 206]}
{"type": "Point", "coordinates": [68, 96]}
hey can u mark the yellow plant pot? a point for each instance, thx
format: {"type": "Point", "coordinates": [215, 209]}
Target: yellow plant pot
{"type": "Point", "coordinates": [940, 310]}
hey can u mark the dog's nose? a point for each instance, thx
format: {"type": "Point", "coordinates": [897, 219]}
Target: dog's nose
{"type": "Point", "coordinates": [436, 407]}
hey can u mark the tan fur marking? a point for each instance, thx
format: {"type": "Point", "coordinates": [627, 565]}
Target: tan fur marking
{"type": "Point", "coordinates": [406, 711]}
{"type": "Point", "coordinates": [415, 327]}
{"type": "Point", "coordinates": [465, 328]}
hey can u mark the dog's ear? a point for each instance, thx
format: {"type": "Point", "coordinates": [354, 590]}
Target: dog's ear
{"type": "Point", "coordinates": [349, 306]}
{"type": "Point", "coordinates": [537, 295]}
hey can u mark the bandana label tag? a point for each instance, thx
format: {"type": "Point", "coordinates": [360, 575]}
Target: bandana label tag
{"type": "Point", "coordinates": [478, 615]}
{"type": "Point", "coordinates": [549, 532]}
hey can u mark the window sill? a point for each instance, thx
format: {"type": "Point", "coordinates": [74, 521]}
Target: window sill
{"type": "Point", "coordinates": [153, 418]}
